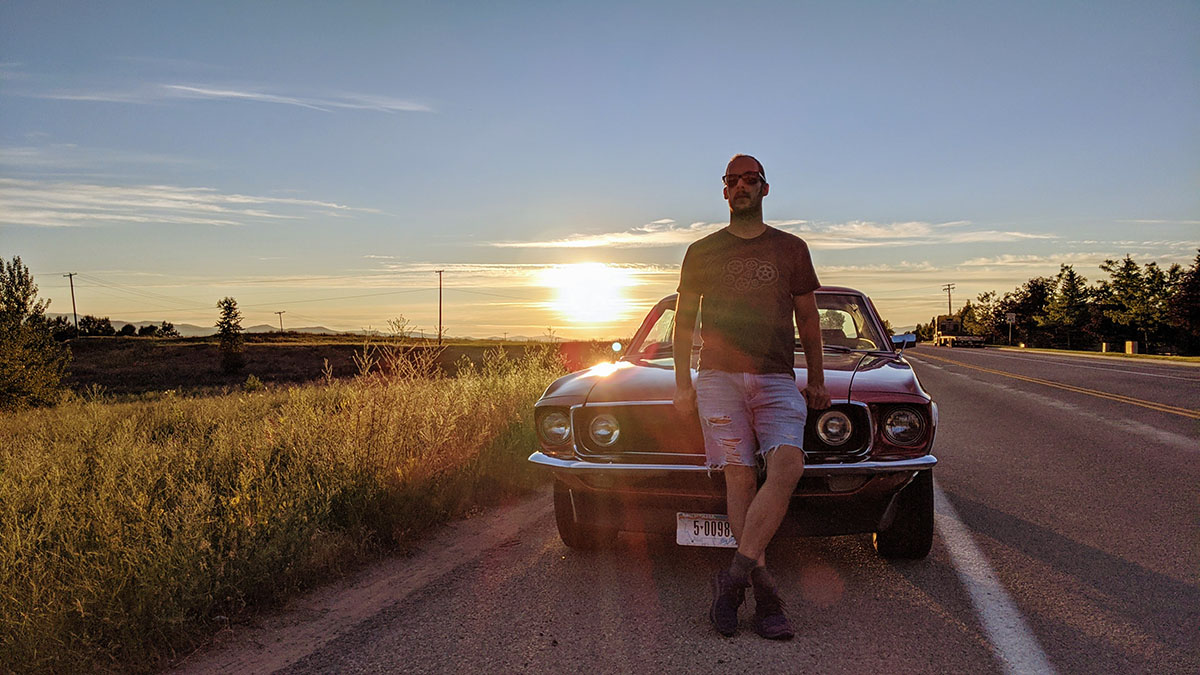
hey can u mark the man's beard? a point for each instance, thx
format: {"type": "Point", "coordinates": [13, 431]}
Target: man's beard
{"type": "Point", "coordinates": [751, 208]}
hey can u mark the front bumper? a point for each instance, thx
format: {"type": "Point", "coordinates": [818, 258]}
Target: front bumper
{"type": "Point", "coordinates": [831, 499]}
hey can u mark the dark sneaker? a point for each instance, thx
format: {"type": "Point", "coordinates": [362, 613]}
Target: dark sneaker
{"type": "Point", "coordinates": [728, 595]}
{"type": "Point", "coordinates": [770, 621]}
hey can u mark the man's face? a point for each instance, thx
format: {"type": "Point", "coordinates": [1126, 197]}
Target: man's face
{"type": "Point", "coordinates": [743, 197]}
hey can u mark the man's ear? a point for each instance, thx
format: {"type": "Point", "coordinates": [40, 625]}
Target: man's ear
{"type": "Point", "coordinates": [725, 193]}
{"type": "Point", "coordinates": [766, 188]}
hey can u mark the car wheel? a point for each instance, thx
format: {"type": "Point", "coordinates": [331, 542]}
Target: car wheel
{"type": "Point", "coordinates": [910, 535]}
{"type": "Point", "coordinates": [578, 534]}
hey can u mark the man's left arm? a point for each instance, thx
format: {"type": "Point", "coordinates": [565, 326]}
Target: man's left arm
{"type": "Point", "coordinates": [808, 322]}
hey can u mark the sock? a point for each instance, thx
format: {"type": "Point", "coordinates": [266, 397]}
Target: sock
{"type": "Point", "coordinates": [762, 578]}
{"type": "Point", "coordinates": [741, 567]}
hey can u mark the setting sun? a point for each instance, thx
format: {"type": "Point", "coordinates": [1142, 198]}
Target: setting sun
{"type": "Point", "coordinates": [588, 292]}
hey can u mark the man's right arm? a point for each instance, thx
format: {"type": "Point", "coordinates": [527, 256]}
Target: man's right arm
{"type": "Point", "coordinates": [686, 307]}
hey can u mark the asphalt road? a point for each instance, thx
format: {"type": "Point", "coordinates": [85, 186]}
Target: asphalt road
{"type": "Point", "coordinates": [1068, 540]}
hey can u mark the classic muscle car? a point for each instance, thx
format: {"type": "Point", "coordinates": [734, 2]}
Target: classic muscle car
{"type": "Point", "coordinates": [624, 458]}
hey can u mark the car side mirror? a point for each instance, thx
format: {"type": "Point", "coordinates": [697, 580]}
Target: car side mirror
{"type": "Point", "coordinates": [899, 342]}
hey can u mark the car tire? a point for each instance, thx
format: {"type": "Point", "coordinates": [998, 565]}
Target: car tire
{"type": "Point", "coordinates": [578, 534]}
{"type": "Point", "coordinates": [910, 536]}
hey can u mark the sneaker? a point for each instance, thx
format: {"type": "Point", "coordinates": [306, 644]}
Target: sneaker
{"type": "Point", "coordinates": [770, 621]}
{"type": "Point", "coordinates": [728, 595]}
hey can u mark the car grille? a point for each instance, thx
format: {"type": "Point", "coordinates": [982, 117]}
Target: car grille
{"type": "Point", "coordinates": [656, 433]}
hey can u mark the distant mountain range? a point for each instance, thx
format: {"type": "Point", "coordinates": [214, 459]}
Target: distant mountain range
{"type": "Point", "coordinates": [192, 330]}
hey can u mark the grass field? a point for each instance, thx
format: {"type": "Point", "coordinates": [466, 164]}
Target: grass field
{"type": "Point", "coordinates": [129, 531]}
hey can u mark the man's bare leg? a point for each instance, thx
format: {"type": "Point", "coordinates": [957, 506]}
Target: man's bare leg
{"type": "Point", "coordinates": [741, 484]}
{"type": "Point", "coordinates": [769, 505]}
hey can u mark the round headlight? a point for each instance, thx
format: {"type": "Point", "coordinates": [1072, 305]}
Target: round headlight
{"type": "Point", "coordinates": [605, 430]}
{"type": "Point", "coordinates": [904, 426]}
{"type": "Point", "coordinates": [555, 428]}
{"type": "Point", "coordinates": [834, 427]}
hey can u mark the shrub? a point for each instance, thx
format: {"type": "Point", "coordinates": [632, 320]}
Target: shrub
{"type": "Point", "coordinates": [32, 363]}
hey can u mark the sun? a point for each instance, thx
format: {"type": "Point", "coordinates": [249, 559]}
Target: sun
{"type": "Point", "coordinates": [588, 292]}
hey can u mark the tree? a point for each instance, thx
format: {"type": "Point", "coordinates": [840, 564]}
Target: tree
{"type": "Point", "coordinates": [61, 328]}
{"type": "Point", "coordinates": [149, 330]}
{"type": "Point", "coordinates": [96, 325]}
{"type": "Point", "coordinates": [1139, 298]}
{"type": "Point", "coordinates": [1184, 312]}
{"type": "Point", "coordinates": [128, 330]}
{"type": "Point", "coordinates": [1068, 306]}
{"type": "Point", "coordinates": [229, 333]}
{"type": "Point", "coordinates": [32, 364]}
{"type": "Point", "coordinates": [167, 329]}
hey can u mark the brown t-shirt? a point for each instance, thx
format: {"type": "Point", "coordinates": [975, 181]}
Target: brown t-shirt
{"type": "Point", "coordinates": [747, 319]}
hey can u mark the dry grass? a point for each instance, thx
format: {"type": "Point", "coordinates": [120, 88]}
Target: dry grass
{"type": "Point", "coordinates": [128, 531]}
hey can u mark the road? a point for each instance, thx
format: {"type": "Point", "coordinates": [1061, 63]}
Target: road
{"type": "Point", "coordinates": [1068, 540]}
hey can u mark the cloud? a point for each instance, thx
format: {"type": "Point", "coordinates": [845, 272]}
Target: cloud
{"type": "Point", "coordinates": [829, 236]}
{"type": "Point", "coordinates": [664, 232]}
{"type": "Point", "coordinates": [155, 93]}
{"type": "Point", "coordinates": [1009, 260]}
{"type": "Point", "coordinates": [1148, 221]}
{"type": "Point", "coordinates": [68, 204]}
{"type": "Point", "coordinates": [69, 158]}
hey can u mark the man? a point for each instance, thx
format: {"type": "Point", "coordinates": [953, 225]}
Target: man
{"type": "Point", "coordinates": [753, 279]}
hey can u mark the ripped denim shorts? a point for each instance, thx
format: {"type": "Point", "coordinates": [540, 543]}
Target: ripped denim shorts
{"type": "Point", "coordinates": [744, 416]}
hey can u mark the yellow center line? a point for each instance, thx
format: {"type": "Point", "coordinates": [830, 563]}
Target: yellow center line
{"type": "Point", "coordinates": [1161, 407]}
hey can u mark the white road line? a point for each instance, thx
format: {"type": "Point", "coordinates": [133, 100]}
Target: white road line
{"type": "Point", "coordinates": [1013, 643]}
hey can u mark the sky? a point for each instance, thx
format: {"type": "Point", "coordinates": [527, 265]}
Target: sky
{"type": "Point", "coordinates": [554, 159]}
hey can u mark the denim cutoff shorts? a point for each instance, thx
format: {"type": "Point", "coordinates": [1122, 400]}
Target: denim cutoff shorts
{"type": "Point", "coordinates": [744, 416]}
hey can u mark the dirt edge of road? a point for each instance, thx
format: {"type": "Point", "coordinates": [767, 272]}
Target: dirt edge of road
{"type": "Point", "coordinates": [303, 625]}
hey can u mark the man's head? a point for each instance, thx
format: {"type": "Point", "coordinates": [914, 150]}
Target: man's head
{"type": "Point", "coordinates": [745, 186]}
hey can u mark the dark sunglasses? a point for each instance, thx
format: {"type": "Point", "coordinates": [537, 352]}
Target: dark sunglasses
{"type": "Point", "coordinates": [751, 178]}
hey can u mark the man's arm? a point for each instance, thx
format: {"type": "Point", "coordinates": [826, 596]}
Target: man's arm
{"type": "Point", "coordinates": [686, 308]}
{"type": "Point", "coordinates": [808, 322]}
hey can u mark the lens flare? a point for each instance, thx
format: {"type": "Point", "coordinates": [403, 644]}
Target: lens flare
{"type": "Point", "coordinates": [588, 292]}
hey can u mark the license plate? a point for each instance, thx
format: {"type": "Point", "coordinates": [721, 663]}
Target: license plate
{"type": "Point", "coordinates": [704, 529]}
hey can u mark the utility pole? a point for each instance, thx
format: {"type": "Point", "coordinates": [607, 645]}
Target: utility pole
{"type": "Point", "coordinates": [949, 305]}
{"type": "Point", "coordinates": [71, 277]}
{"type": "Point", "coordinates": [281, 319]}
{"type": "Point", "coordinates": [439, 273]}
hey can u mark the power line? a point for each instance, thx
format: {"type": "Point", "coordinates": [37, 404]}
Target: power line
{"type": "Point", "coordinates": [71, 277]}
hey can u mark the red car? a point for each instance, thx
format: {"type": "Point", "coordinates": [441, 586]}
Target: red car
{"type": "Point", "coordinates": [623, 457]}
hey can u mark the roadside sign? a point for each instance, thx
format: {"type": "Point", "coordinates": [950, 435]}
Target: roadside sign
{"type": "Point", "coordinates": [1010, 317]}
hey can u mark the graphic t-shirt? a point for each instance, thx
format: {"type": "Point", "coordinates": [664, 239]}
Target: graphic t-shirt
{"type": "Point", "coordinates": [746, 286]}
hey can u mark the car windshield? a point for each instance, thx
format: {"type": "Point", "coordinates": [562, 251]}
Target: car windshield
{"type": "Point", "coordinates": [846, 325]}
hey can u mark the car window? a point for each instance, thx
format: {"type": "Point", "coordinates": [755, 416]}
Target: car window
{"type": "Point", "coordinates": [846, 322]}
{"type": "Point", "coordinates": [661, 333]}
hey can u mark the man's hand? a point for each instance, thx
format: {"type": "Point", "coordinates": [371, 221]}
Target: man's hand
{"type": "Point", "coordinates": [814, 394]}
{"type": "Point", "coordinates": [685, 400]}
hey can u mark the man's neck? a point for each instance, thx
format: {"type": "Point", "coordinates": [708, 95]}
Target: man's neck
{"type": "Point", "coordinates": [746, 226]}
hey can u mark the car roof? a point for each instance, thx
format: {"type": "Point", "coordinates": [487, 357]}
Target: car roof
{"type": "Point", "coordinates": [822, 289]}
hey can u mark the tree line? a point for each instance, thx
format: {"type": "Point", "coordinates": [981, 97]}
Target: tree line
{"type": "Point", "coordinates": [35, 351]}
{"type": "Point", "coordinates": [1157, 308]}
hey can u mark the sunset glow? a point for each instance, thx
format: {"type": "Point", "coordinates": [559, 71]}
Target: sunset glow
{"type": "Point", "coordinates": [588, 292]}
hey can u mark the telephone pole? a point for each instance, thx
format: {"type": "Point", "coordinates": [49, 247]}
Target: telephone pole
{"type": "Point", "coordinates": [439, 273]}
{"type": "Point", "coordinates": [949, 306]}
{"type": "Point", "coordinates": [71, 277]}
{"type": "Point", "coordinates": [281, 319]}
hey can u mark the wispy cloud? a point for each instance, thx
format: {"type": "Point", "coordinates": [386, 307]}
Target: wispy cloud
{"type": "Point", "coordinates": [62, 204]}
{"type": "Point", "coordinates": [1009, 260]}
{"type": "Point", "coordinates": [1155, 221]}
{"type": "Point", "coordinates": [158, 93]}
{"type": "Point", "coordinates": [829, 236]}
{"type": "Point", "coordinates": [664, 232]}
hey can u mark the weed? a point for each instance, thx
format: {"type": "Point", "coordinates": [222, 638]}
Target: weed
{"type": "Point", "coordinates": [130, 530]}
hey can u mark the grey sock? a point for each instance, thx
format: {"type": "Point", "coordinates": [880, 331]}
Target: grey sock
{"type": "Point", "coordinates": [741, 567]}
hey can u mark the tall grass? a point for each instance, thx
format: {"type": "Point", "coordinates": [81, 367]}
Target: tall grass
{"type": "Point", "coordinates": [130, 530]}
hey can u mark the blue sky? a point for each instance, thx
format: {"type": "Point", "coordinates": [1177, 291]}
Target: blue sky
{"type": "Point", "coordinates": [325, 158]}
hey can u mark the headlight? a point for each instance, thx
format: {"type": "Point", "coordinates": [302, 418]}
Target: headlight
{"type": "Point", "coordinates": [555, 428]}
{"type": "Point", "coordinates": [834, 427]}
{"type": "Point", "coordinates": [605, 430]}
{"type": "Point", "coordinates": [904, 426]}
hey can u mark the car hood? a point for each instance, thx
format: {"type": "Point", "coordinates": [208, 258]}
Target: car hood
{"type": "Point", "coordinates": [642, 381]}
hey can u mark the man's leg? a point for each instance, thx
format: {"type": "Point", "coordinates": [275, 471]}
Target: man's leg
{"type": "Point", "coordinates": [741, 484]}
{"type": "Point", "coordinates": [769, 505]}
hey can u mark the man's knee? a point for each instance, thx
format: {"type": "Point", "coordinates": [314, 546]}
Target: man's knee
{"type": "Point", "coordinates": [785, 463]}
{"type": "Point", "coordinates": [740, 478]}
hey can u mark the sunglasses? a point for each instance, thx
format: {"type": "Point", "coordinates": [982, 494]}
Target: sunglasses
{"type": "Point", "coordinates": [751, 178]}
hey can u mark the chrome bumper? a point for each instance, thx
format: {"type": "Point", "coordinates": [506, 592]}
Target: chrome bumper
{"type": "Point", "coordinates": [858, 468]}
